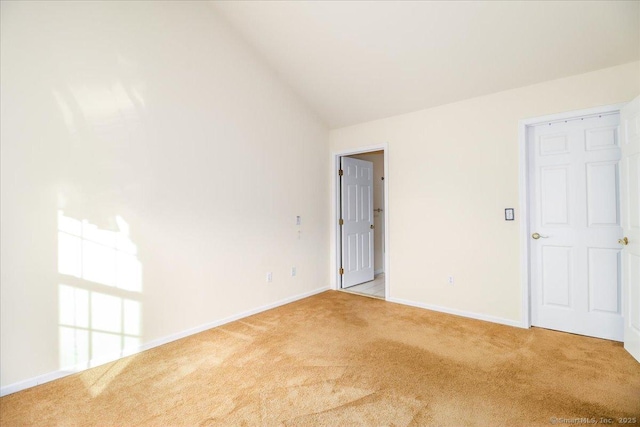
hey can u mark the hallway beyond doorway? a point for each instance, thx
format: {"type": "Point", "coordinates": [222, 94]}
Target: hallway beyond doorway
{"type": "Point", "coordinates": [374, 288]}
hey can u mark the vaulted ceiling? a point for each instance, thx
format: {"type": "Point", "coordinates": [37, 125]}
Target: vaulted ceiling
{"type": "Point", "coordinates": [354, 61]}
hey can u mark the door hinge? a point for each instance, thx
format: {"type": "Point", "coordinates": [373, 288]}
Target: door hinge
{"type": "Point", "coordinates": [341, 222]}
{"type": "Point", "coordinates": [341, 271]}
{"type": "Point", "coordinates": [340, 172]}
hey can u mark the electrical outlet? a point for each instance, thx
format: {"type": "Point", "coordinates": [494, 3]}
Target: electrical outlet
{"type": "Point", "coordinates": [269, 277]}
{"type": "Point", "coordinates": [450, 280]}
{"type": "Point", "coordinates": [293, 271]}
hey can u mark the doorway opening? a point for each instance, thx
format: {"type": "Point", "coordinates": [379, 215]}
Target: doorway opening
{"type": "Point", "coordinates": [361, 222]}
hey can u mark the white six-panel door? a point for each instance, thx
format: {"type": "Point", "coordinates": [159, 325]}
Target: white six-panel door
{"type": "Point", "coordinates": [630, 190]}
{"type": "Point", "coordinates": [356, 200]}
{"type": "Point", "coordinates": [575, 226]}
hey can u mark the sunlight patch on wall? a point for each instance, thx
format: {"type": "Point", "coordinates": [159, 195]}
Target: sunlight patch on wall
{"type": "Point", "coordinates": [96, 327]}
{"type": "Point", "coordinates": [98, 105]}
{"type": "Point", "coordinates": [67, 113]}
{"type": "Point", "coordinates": [100, 256]}
{"type": "Point", "coordinates": [100, 312]}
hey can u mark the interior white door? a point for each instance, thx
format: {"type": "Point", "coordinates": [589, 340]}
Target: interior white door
{"type": "Point", "coordinates": [356, 206]}
{"type": "Point", "coordinates": [630, 212]}
{"type": "Point", "coordinates": [575, 224]}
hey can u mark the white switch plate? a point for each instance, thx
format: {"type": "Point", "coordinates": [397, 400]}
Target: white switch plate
{"type": "Point", "coordinates": [509, 214]}
{"type": "Point", "coordinates": [293, 271]}
{"type": "Point", "coordinates": [450, 280]}
{"type": "Point", "coordinates": [269, 277]}
{"type": "Point", "coordinates": [298, 220]}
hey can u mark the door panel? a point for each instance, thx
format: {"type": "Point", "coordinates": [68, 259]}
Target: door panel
{"type": "Point", "coordinates": [352, 252]}
{"type": "Point", "coordinates": [554, 144]}
{"type": "Point", "coordinates": [602, 194]}
{"type": "Point", "coordinates": [602, 138]}
{"type": "Point", "coordinates": [604, 280]}
{"type": "Point", "coordinates": [575, 263]}
{"type": "Point", "coordinates": [555, 204]}
{"type": "Point", "coordinates": [633, 193]}
{"type": "Point", "coordinates": [634, 295]}
{"type": "Point", "coordinates": [630, 219]}
{"type": "Point", "coordinates": [352, 202]}
{"type": "Point", "coordinates": [356, 186]}
{"type": "Point", "coordinates": [556, 276]}
{"type": "Point", "coordinates": [367, 249]}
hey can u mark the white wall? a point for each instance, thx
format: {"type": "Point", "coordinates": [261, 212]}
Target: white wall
{"type": "Point", "coordinates": [155, 112]}
{"type": "Point", "coordinates": [452, 172]}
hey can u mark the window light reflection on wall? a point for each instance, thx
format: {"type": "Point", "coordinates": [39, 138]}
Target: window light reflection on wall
{"type": "Point", "coordinates": [99, 294]}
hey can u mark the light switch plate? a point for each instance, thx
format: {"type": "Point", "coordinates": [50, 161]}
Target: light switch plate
{"type": "Point", "coordinates": [509, 214]}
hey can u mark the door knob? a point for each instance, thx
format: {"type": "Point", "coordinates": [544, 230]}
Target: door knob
{"type": "Point", "coordinates": [371, 226]}
{"type": "Point", "coordinates": [538, 236]}
{"type": "Point", "coordinates": [623, 241]}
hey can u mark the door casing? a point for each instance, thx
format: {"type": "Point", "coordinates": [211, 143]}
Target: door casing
{"type": "Point", "coordinates": [335, 259]}
{"type": "Point", "coordinates": [523, 190]}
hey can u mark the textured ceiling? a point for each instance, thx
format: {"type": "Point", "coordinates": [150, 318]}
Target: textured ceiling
{"type": "Point", "coordinates": [358, 61]}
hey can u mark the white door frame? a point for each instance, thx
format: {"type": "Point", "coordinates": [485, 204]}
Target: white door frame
{"type": "Point", "coordinates": [335, 260]}
{"type": "Point", "coordinates": [523, 190]}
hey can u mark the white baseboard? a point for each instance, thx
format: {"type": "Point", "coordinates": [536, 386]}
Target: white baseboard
{"type": "Point", "coordinates": [471, 315]}
{"type": "Point", "coordinates": [378, 271]}
{"type": "Point", "coordinates": [41, 379]}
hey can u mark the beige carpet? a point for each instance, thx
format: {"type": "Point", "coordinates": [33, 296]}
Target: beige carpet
{"type": "Point", "coordinates": [339, 359]}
